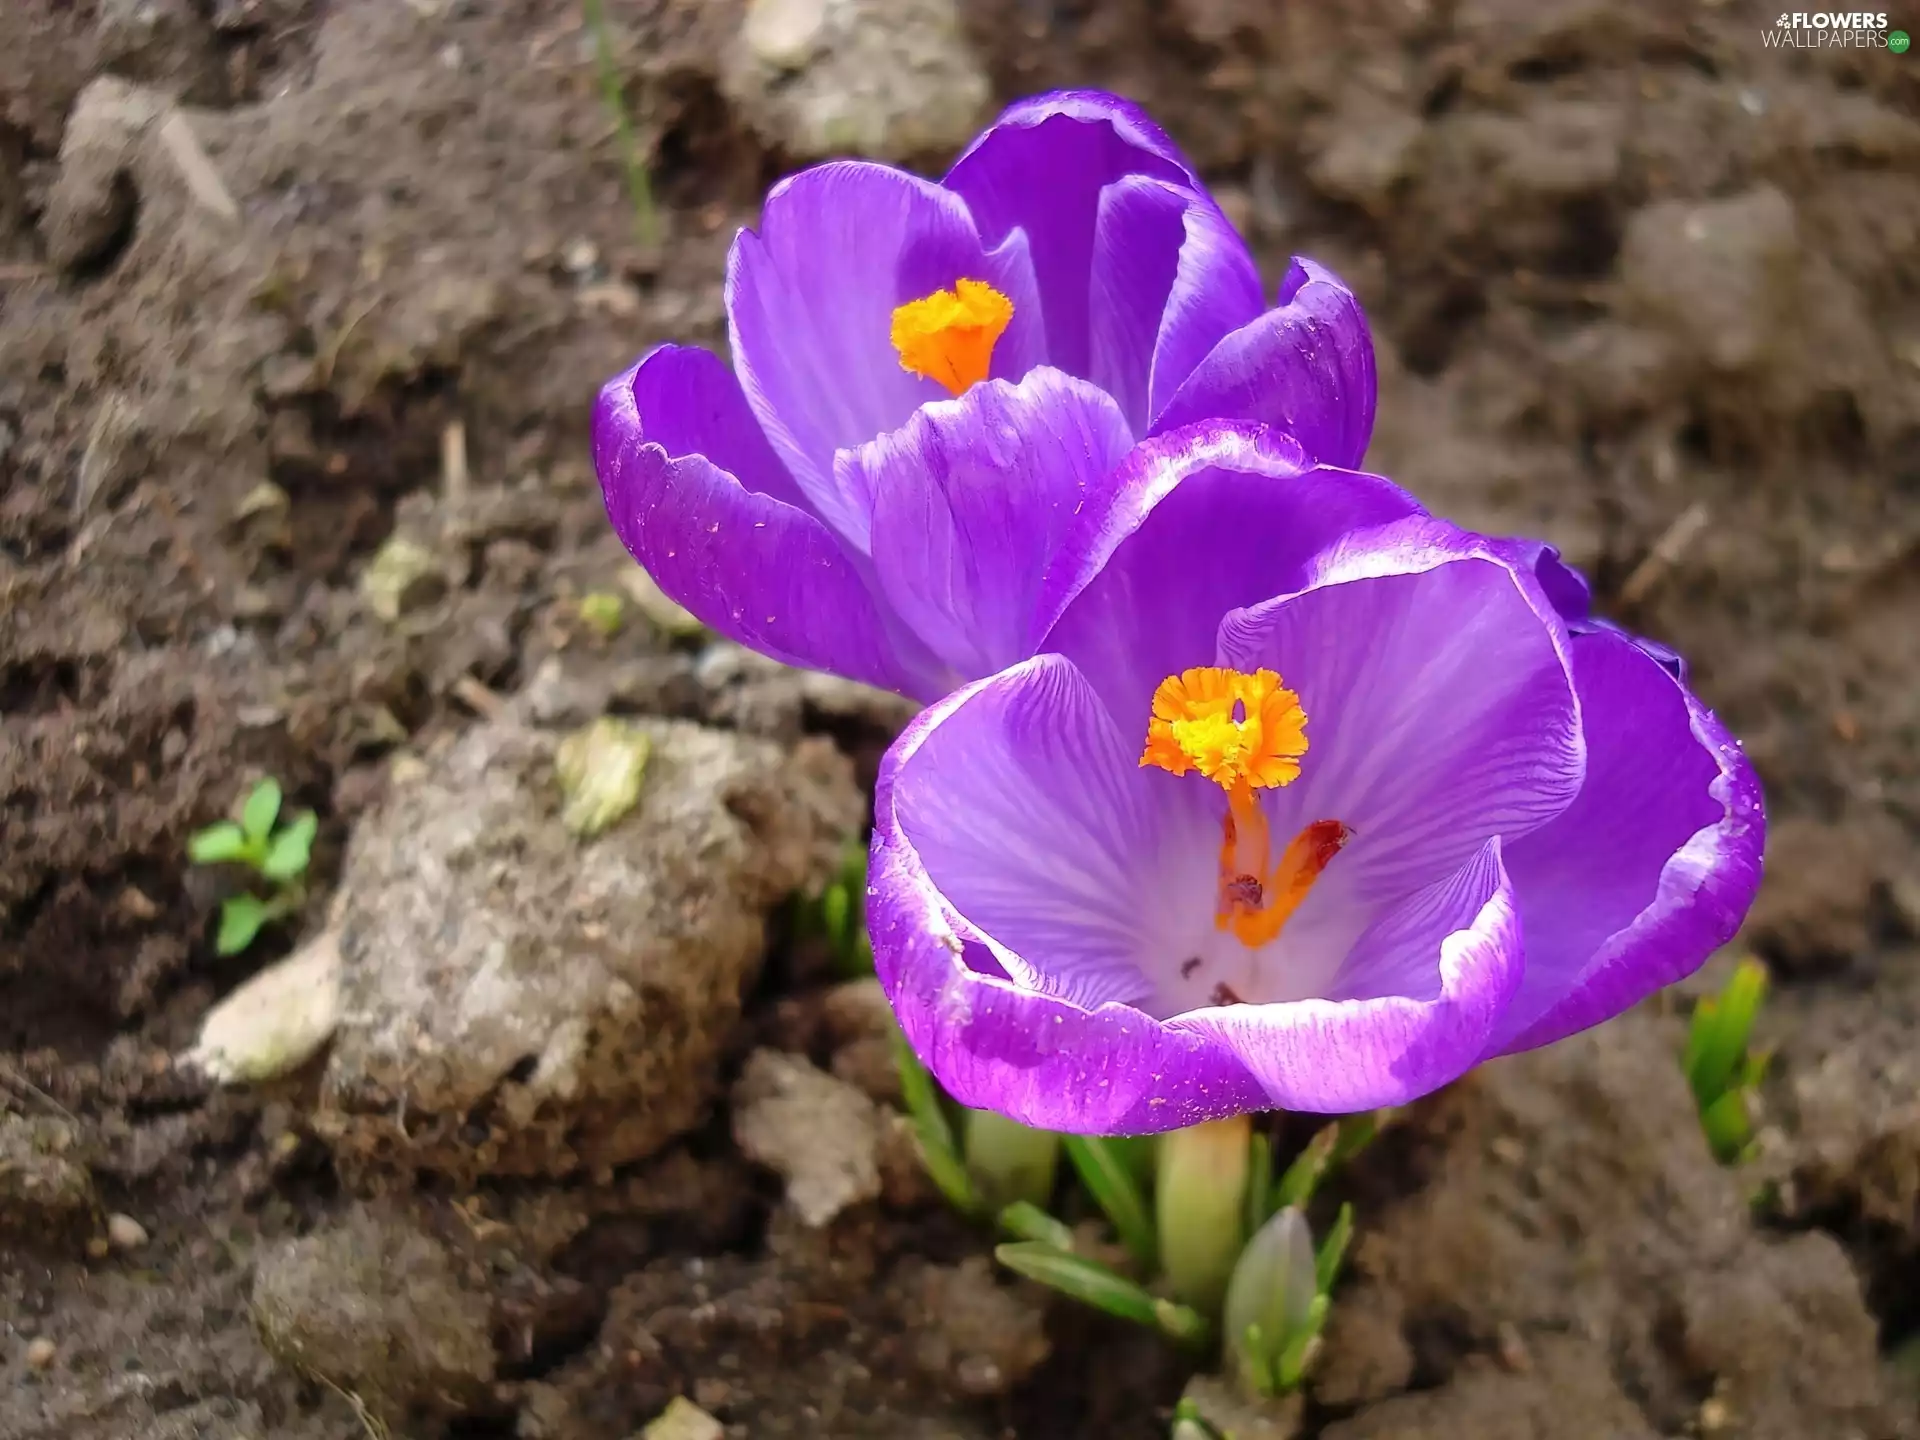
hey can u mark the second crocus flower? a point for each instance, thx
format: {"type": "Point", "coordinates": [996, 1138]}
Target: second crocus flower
{"type": "Point", "coordinates": [1313, 802]}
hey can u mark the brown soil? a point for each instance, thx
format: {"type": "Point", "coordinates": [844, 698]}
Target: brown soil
{"type": "Point", "coordinates": [1641, 285]}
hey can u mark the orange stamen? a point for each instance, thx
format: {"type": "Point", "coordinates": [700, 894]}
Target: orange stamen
{"type": "Point", "coordinates": [1245, 733]}
{"type": "Point", "coordinates": [949, 335]}
{"type": "Point", "coordinates": [1232, 727]}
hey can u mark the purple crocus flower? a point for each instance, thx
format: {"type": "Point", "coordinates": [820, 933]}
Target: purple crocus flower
{"type": "Point", "coordinates": [928, 379]}
{"type": "Point", "coordinates": [1310, 800]}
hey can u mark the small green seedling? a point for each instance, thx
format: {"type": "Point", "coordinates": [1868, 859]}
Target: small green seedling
{"type": "Point", "coordinates": [278, 856]}
{"type": "Point", "coordinates": [1723, 1069]}
{"type": "Point", "coordinates": [838, 915]}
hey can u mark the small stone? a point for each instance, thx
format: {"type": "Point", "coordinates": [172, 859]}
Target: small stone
{"type": "Point", "coordinates": [683, 1420]}
{"type": "Point", "coordinates": [785, 33]}
{"type": "Point", "coordinates": [41, 1353]}
{"type": "Point", "coordinates": [277, 1021]}
{"type": "Point", "coordinates": [125, 1233]}
{"type": "Point", "coordinates": [820, 1133]}
{"type": "Point", "coordinates": [891, 79]}
{"type": "Point", "coordinates": [264, 498]}
{"type": "Point", "coordinates": [600, 770]}
{"type": "Point", "coordinates": [582, 257]}
{"type": "Point", "coordinates": [401, 578]}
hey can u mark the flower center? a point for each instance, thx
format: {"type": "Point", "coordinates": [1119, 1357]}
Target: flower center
{"type": "Point", "coordinates": [949, 335]}
{"type": "Point", "coordinates": [1245, 733]}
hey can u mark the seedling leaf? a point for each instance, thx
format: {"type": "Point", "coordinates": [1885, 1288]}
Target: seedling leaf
{"type": "Point", "coordinates": [217, 844]}
{"type": "Point", "coordinates": [291, 849]}
{"type": "Point", "coordinates": [241, 917]}
{"type": "Point", "coordinates": [261, 810]}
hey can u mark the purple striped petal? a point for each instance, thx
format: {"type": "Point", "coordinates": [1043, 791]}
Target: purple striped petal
{"type": "Point", "coordinates": [1194, 524]}
{"type": "Point", "coordinates": [748, 563]}
{"type": "Point", "coordinates": [1170, 278]}
{"type": "Point", "coordinates": [810, 302]}
{"type": "Point", "coordinates": [1440, 707]}
{"type": "Point", "coordinates": [1305, 367]}
{"type": "Point", "coordinates": [1103, 1069]}
{"type": "Point", "coordinates": [1027, 810]}
{"type": "Point", "coordinates": [1131, 125]}
{"type": "Point", "coordinates": [1654, 864]}
{"type": "Point", "coordinates": [688, 402]}
{"type": "Point", "coordinates": [970, 500]}
{"type": "Point", "coordinates": [1418, 996]}
{"type": "Point", "coordinates": [1041, 169]}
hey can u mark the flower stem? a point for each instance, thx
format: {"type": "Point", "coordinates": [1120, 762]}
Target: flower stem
{"type": "Point", "coordinates": [1200, 1203]}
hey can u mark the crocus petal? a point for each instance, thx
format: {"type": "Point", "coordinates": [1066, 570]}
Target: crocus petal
{"type": "Point", "coordinates": [1191, 525]}
{"type": "Point", "coordinates": [970, 499]}
{"type": "Point", "coordinates": [1170, 278]}
{"type": "Point", "coordinates": [1129, 123]}
{"type": "Point", "coordinates": [1026, 809]}
{"type": "Point", "coordinates": [1041, 169]}
{"type": "Point", "coordinates": [748, 564]}
{"type": "Point", "coordinates": [992, 1042]}
{"type": "Point", "coordinates": [1652, 866]}
{"type": "Point", "coordinates": [1565, 586]}
{"type": "Point", "coordinates": [1440, 707]}
{"type": "Point", "coordinates": [1305, 367]}
{"type": "Point", "coordinates": [810, 302]}
{"type": "Point", "coordinates": [1417, 998]}
{"type": "Point", "coordinates": [688, 402]}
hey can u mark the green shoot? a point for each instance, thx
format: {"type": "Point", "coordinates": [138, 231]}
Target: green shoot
{"type": "Point", "coordinates": [1721, 1067]}
{"type": "Point", "coordinates": [1110, 1181]}
{"type": "Point", "coordinates": [278, 856]}
{"type": "Point", "coordinates": [1026, 1221]}
{"type": "Point", "coordinates": [646, 221]}
{"type": "Point", "coordinates": [838, 915]}
{"type": "Point", "coordinates": [1092, 1283]}
{"type": "Point", "coordinates": [931, 1128]}
{"type": "Point", "coordinates": [1190, 1424]}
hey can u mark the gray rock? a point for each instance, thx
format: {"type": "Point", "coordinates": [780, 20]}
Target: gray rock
{"type": "Point", "coordinates": [1720, 275]}
{"type": "Point", "coordinates": [894, 79]}
{"type": "Point", "coordinates": [1578, 1226]}
{"type": "Point", "coordinates": [1568, 1395]}
{"type": "Point", "coordinates": [819, 1133]}
{"type": "Point", "coordinates": [515, 1000]}
{"type": "Point", "coordinates": [164, 43]}
{"type": "Point", "coordinates": [381, 1310]}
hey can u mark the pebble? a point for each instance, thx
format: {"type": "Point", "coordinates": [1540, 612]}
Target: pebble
{"type": "Point", "coordinates": [125, 1233]}
{"type": "Point", "coordinates": [41, 1353]}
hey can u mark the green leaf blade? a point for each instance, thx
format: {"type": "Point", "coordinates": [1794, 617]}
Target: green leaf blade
{"type": "Point", "coordinates": [1095, 1285]}
{"type": "Point", "coordinates": [1109, 1180]}
{"type": "Point", "coordinates": [938, 1152]}
{"type": "Point", "coordinates": [241, 917]}
{"type": "Point", "coordinates": [291, 850]}
{"type": "Point", "coordinates": [217, 844]}
{"type": "Point", "coordinates": [1027, 1221]}
{"type": "Point", "coordinates": [261, 810]}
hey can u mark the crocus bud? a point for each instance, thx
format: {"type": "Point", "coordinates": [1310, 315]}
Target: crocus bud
{"type": "Point", "coordinates": [1270, 1300]}
{"type": "Point", "coordinates": [1200, 1203]}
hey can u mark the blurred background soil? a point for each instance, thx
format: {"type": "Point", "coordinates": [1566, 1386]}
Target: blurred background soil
{"type": "Point", "coordinates": [302, 307]}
